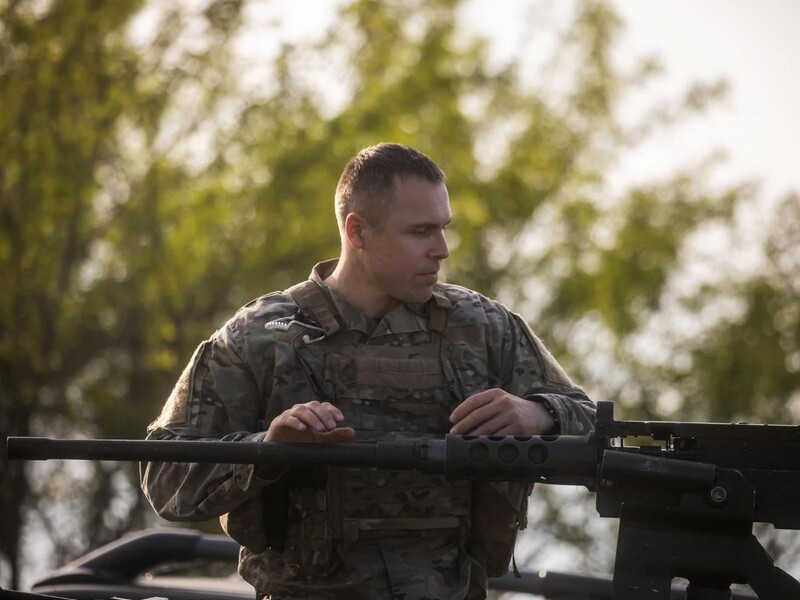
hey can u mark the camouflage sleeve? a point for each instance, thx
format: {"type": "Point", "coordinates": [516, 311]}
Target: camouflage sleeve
{"type": "Point", "coordinates": [528, 370]}
{"type": "Point", "coordinates": [217, 397]}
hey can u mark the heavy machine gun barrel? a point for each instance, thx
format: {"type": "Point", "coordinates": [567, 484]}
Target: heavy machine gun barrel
{"type": "Point", "coordinates": [380, 454]}
{"type": "Point", "coordinates": [568, 460]}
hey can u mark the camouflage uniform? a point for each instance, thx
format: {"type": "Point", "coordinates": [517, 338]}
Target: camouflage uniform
{"type": "Point", "coordinates": [356, 533]}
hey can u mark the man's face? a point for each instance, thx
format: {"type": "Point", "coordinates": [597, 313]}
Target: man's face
{"type": "Point", "coordinates": [402, 257]}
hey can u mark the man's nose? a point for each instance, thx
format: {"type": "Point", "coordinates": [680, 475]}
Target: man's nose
{"type": "Point", "coordinates": [440, 248]}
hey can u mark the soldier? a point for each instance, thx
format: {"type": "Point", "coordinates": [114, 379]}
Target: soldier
{"type": "Point", "coordinates": [371, 347]}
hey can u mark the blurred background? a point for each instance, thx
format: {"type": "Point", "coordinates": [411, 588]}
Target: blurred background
{"type": "Point", "coordinates": [623, 174]}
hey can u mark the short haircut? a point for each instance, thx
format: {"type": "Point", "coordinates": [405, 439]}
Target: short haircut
{"type": "Point", "coordinates": [366, 185]}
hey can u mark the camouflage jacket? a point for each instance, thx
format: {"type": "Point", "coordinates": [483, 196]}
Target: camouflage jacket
{"type": "Point", "coordinates": [246, 374]}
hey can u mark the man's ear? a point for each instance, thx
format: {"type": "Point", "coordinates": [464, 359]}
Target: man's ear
{"type": "Point", "coordinates": [354, 226]}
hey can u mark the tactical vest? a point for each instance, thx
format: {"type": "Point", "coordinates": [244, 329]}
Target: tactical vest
{"type": "Point", "coordinates": [393, 387]}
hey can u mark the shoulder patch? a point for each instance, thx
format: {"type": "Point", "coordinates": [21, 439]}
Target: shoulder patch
{"type": "Point", "coordinates": [268, 307]}
{"type": "Point", "coordinates": [458, 294]}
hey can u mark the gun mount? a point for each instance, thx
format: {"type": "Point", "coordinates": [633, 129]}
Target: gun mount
{"type": "Point", "coordinates": [686, 494]}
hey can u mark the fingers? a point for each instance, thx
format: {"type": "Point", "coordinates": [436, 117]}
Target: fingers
{"type": "Point", "coordinates": [484, 413]}
{"type": "Point", "coordinates": [319, 416]}
{"type": "Point", "coordinates": [342, 434]}
{"type": "Point", "coordinates": [496, 412]}
{"type": "Point", "coordinates": [491, 426]}
{"type": "Point", "coordinates": [472, 403]}
{"type": "Point", "coordinates": [308, 422]}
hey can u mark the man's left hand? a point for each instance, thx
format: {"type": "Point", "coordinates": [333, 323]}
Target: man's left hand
{"type": "Point", "coordinates": [496, 412]}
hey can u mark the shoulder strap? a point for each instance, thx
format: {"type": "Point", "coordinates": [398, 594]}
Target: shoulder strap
{"type": "Point", "coordinates": [437, 318]}
{"type": "Point", "coordinates": [310, 296]}
{"type": "Point", "coordinates": [437, 310]}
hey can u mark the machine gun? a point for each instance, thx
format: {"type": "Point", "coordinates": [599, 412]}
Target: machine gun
{"type": "Point", "coordinates": [686, 494]}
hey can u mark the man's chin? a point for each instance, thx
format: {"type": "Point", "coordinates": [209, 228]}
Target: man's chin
{"type": "Point", "coordinates": [420, 296]}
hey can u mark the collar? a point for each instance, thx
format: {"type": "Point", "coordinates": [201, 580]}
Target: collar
{"type": "Point", "coordinates": [404, 318]}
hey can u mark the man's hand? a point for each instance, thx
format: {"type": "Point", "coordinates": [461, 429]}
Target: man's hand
{"type": "Point", "coordinates": [310, 422]}
{"type": "Point", "coordinates": [496, 412]}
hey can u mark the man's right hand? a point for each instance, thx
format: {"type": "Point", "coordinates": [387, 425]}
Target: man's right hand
{"type": "Point", "coordinates": [310, 422]}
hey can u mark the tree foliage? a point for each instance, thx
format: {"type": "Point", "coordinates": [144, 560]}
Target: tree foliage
{"type": "Point", "coordinates": [145, 193]}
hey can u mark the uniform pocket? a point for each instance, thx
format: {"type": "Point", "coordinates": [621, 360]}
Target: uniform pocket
{"type": "Point", "coordinates": [308, 537]}
{"type": "Point", "coordinates": [469, 371]}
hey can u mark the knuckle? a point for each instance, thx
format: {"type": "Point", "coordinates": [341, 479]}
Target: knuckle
{"type": "Point", "coordinates": [302, 410]}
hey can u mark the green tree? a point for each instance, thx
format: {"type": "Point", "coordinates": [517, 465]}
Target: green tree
{"type": "Point", "coordinates": [63, 83]}
{"type": "Point", "coordinates": [86, 167]}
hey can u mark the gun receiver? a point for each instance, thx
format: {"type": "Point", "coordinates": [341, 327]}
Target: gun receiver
{"type": "Point", "coordinates": [686, 494]}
